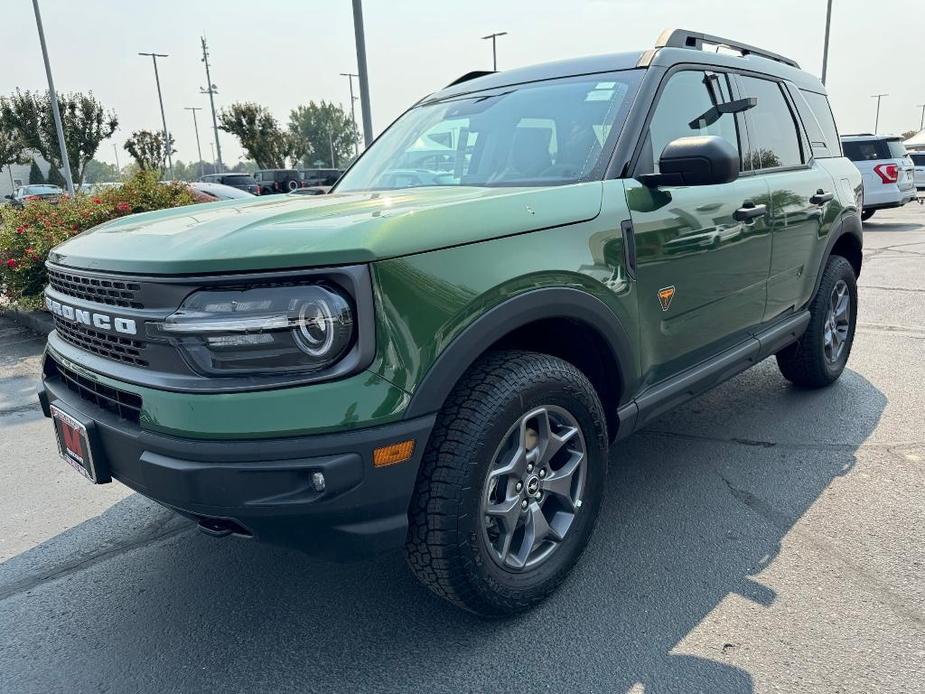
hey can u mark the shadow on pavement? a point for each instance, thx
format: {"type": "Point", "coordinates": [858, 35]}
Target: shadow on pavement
{"type": "Point", "coordinates": [696, 507]}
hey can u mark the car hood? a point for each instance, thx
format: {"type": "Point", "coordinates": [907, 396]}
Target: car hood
{"type": "Point", "coordinates": [292, 231]}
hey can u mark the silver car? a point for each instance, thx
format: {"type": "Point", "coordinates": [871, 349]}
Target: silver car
{"type": "Point", "coordinates": [918, 161]}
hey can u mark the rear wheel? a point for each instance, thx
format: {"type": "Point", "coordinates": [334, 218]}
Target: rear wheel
{"type": "Point", "coordinates": [819, 356]}
{"type": "Point", "coordinates": [510, 484]}
{"type": "Point", "coordinates": [867, 214]}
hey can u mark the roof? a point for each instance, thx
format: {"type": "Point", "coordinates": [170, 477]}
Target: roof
{"type": "Point", "coordinates": [672, 48]}
{"type": "Point", "coordinates": [868, 136]}
{"type": "Point", "coordinates": [917, 140]}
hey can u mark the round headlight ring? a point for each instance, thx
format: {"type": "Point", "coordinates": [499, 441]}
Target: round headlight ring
{"type": "Point", "coordinates": [314, 332]}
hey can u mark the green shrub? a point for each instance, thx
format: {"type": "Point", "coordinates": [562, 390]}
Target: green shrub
{"type": "Point", "coordinates": [27, 235]}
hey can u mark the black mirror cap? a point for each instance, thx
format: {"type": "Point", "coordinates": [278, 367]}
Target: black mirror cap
{"type": "Point", "coordinates": [701, 160]}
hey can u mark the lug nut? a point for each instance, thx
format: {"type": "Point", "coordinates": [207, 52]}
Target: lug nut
{"type": "Point", "coordinates": [543, 472]}
{"type": "Point", "coordinates": [524, 504]}
{"type": "Point", "coordinates": [529, 467]}
{"type": "Point", "coordinates": [519, 486]}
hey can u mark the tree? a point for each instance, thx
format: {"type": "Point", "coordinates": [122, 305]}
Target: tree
{"type": "Point", "coordinates": [97, 172]}
{"type": "Point", "coordinates": [55, 177]}
{"type": "Point", "coordinates": [319, 128]}
{"type": "Point", "coordinates": [12, 148]}
{"type": "Point", "coordinates": [85, 123]}
{"type": "Point", "coordinates": [259, 134]}
{"type": "Point", "coordinates": [35, 174]}
{"type": "Point", "coordinates": [149, 149]}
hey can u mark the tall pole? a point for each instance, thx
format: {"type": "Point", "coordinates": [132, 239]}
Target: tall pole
{"type": "Point", "coordinates": [825, 45]}
{"type": "Point", "coordinates": [922, 120]}
{"type": "Point", "coordinates": [212, 147]}
{"type": "Point", "coordinates": [196, 128]}
{"type": "Point", "coordinates": [53, 97]}
{"type": "Point", "coordinates": [115, 151]}
{"type": "Point", "coordinates": [494, 47]}
{"type": "Point", "coordinates": [877, 119]}
{"type": "Point", "coordinates": [211, 91]}
{"type": "Point", "coordinates": [331, 143]}
{"type": "Point", "coordinates": [9, 169]}
{"type": "Point", "coordinates": [361, 69]}
{"type": "Point", "coordinates": [353, 113]}
{"type": "Point", "coordinates": [160, 98]}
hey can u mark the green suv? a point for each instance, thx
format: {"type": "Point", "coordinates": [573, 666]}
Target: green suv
{"type": "Point", "coordinates": [444, 367]}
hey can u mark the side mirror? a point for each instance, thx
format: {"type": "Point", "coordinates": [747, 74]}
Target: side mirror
{"type": "Point", "coordinates": [702, 160]}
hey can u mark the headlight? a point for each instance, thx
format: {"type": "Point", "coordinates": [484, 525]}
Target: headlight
{"type": "Point", "coordinates": [299, 328]}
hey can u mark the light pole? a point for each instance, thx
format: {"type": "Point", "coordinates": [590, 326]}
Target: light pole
{"type": "Point", "coordinates": [877, 119]}
{"type": "Point", "coordinates": [331, 144]}
{"type": "Point", "coordinates": [922, 120]}
{"type": "Point", "coordinates": [211, 91]}
{"type": "Point", "coordinates": [825, 45]}
{"type": "Point", "coordinates": [115, 151]}
{"type": "Point", "coordinates": [157, 81]}
{"type": "Point", "coordinates": [362, 72]}
{"type": "Point", "coordinates": [53, 96]}
{"type": "Point", "coordinates": [212, 147]}
{"type": "Point", "coordinates": [494, 47]}
{"type": "Point", "coordinates": [353, 115]}
{"type": "Point", "coordinates": [196, 128]}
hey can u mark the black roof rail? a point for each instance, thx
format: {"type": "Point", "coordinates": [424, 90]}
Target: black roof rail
{"type": "Point", "coordinates": [683, 38]}
{"type": "Point", "coordinates": [857, 135]}
{"type": "Point", "coordinates": [470, 76]}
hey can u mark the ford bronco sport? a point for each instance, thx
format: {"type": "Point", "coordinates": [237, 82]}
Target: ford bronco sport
{"type": "Point", "coordinates": [444, 367]}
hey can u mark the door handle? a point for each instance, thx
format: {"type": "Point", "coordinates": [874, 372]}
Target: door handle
{"type": "Point", "coordinates": [749, 210]}
{"type": "Point", "coordinates": [821, 197]}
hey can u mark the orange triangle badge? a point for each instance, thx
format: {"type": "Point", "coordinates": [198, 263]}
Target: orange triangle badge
{"type": "Point", "coordinates": [665, 296]}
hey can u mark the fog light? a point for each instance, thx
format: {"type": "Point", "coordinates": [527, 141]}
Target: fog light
{"type": "Point", "coordinates": [393, 453]}
{"type": "Point", "coordinates": [318, 481]}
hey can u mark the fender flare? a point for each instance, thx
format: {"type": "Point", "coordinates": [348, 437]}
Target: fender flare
{"type": "Point", "coordinates": [504, 318]}
{"type": "Point", "coordinates": [848, 223]}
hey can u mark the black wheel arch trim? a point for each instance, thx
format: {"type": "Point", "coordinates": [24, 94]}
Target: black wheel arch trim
{"type": "Point", "coordinates": [514, 313]}
{"type": "Point", "coordinates": [848, 223]}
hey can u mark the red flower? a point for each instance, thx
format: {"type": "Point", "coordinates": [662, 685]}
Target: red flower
{"type": "Point", "coordinates": [124, 207]}
{"type": "Point", "coordinates": [11, 263]}
{"type": "Point", "coordinates": [97, 201]}
{"type": "Point", "coordinates": [21, 229]}
{"type": "Point", "coordinates": [74, 226]}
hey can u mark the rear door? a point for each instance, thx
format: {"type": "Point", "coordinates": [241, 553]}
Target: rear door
{"type": "Point", "coordinates": [701, 274]}
{"type": "Point", "coordinates": [802, 201]}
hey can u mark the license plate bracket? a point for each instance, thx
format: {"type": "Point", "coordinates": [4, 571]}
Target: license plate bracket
{"type": "Point", "coordinates": [78, 445]}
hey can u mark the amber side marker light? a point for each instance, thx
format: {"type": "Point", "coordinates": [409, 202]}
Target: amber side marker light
{"type": "Point", "coordinates": [393, 453]}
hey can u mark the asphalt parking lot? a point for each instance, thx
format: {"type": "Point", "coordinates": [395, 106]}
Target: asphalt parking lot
{"type": "Point", "coordinates": [759, 538]}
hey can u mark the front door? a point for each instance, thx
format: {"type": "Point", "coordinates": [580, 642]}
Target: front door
{"type": "Point", "coordinates": [702, 275]}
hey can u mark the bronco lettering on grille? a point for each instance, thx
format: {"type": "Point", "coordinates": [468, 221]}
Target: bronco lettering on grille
{"type": "Point", "coordinates": [101, 321]}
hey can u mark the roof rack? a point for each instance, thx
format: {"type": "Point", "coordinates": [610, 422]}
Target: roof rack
{"type": "Point", "coordinates": [470, 76]}
{"type": "Point", "coordinates": [682, 38]}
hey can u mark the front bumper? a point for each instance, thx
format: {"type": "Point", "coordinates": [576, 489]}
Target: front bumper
{"type": "Point", "coordinates": [264, 487]}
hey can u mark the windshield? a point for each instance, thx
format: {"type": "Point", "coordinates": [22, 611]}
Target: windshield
{"type": "Point", "coordinates": [40, 190]}
{"type": "Point", "coordinates": [545, 133]}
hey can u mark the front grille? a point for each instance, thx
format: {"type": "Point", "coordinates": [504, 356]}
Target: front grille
{"type": "Point", "coordinates": [115, 347]}
{"type": "Point", "coordinates": [102, 290]}
{"type": "Point", "coordinates": [125, 405]}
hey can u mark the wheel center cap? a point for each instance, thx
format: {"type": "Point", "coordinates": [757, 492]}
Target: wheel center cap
{"type": "Point", "coordinates": [533, 485]}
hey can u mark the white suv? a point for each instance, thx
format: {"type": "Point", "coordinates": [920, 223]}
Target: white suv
{"type": "Point", "coordinates": [886, 168]}
{"type": "Point", "coordinates": [918, 160]}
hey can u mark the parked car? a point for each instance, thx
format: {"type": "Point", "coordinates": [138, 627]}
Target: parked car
{"type": "Point", "coordinates": [205, 191]}
{"type": "Point", "coordinates": [886, 169]}
{"type": "Point", "coordinates": [243, 181]}
{"type": "Point", "coordinates": [447, 368]}
{"type": "Point", "coordinates": [918, 161]}
{"type": "Point", "coordinates": [272, 181]}
{"type": "Point", "coordinates": [319, 177]}
{"type": "Point", "coordinates": [313, 190]}
{"type": "Point", "coordinates": [43, 191]}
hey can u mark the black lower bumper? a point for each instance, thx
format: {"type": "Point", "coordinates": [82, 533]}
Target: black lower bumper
{"type": "Point", "coordinates": [266, 488]}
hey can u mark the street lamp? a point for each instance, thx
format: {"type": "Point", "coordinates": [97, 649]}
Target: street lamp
{"type": "Point", "coordinates": [363, 74]}
{"type": "Point", "coordinates": [922, 120]}
{"type": "Point", "coordinates": [494, 47]}
{"type": "Point", "coordinates": [115, 151]}
{"type": "Point", "coordinates": [825, 46]}
{"type": "Point", "coordinates": [353, 115]}
{"type": "Point", "coordinates": [157, 81]}
{"type": "Point", "coordinates": [211, 91]}
{"type": "Point", "coordinates": [196, 128]}
{"type": "Point", "coordinates": [877, 119]}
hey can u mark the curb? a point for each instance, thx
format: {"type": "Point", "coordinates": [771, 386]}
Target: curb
{"type": "Point", "coordinates": [37, 321]}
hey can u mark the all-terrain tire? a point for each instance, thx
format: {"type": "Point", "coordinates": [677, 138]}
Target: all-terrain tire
{"type": "Point", "coordinates": [446, 548]}
{"type": "Point", "coordinates": [804, 363]}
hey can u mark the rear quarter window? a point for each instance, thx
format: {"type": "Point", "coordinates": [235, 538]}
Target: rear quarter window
{"type": "Point", "coordinates": [816, 114]}
{"type": "Point", "coordinates": [873, 149]}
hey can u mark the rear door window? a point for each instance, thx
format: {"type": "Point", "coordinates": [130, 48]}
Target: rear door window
{"type": "Point", "coordinates": [918, 159]}
{"type": "Point", "coordinates": [772, 130]}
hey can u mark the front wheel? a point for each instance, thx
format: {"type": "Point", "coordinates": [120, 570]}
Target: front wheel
{"type": "Point", "coordinates": [820, 355]}
{"type": "Point", "coordinates": [510, 484]}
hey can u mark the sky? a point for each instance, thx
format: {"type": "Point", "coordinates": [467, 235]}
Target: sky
{"type": "Point", "coordinates": [286, 52]}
